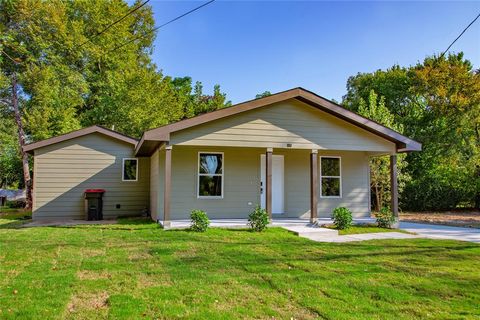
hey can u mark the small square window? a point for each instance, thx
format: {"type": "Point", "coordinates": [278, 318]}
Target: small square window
{"type": "Point", "coordinates": [130, 169]}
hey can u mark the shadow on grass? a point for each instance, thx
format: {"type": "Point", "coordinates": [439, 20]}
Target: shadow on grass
{"type": "Point", "coordinates": [13, 223]}
{"type": "Point", "coordinates": [16, 215]}
{"type": "Point", "coordinates": [188, 230]}
{"type": "Point", "coordinates": [130, 223]}
{"type": "Point", "coordinates": [135, 221]}
{"type": "Point", "coordinates": [14, 218]}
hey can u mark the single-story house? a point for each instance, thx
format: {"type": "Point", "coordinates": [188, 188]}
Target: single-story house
{"type": "Point", "coordinates": [294, 153]}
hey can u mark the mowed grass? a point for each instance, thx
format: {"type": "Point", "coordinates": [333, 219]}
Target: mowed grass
{"type": "Point", "coordinates": [135, 270]}
{"type": "Point", "coordinates": [357, 229]}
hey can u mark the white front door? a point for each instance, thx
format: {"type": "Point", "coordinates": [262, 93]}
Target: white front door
{"type": "Point", "coordinates": [278, 206]}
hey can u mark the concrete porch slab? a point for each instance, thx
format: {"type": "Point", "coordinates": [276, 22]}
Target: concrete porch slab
{"type": "Point", "coordinates": [276, 222]}
{"type": "Point", "coordinates": [359, 237]}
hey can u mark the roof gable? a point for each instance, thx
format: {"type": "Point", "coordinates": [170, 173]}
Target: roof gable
{"type": "Point", "coordinates": [79, 133]}
{"type": "Point", "coordinates": [286, 124]}
{"type": "Point", "coordinates": [152, 138]}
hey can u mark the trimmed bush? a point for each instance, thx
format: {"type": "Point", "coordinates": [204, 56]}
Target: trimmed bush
{"type": "Point", "coordinates": [385, 218]}
{"type": "Point", "coordinates": [342, 218]}
{"type": "Point", "coordinates": [258, 219]}
{"type": "Point", "coordinates": [199, 221]}
{"type": "Point", "coordinates": [15, 204]}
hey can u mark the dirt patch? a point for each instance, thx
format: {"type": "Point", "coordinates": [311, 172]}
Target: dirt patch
{"type": "Point", "coordinates": [139, 255]}
{"type": "Point", "coordinates": [88, 301]}
{"type": "Point", "coordinates": [13, 273]}
{"type": "Point", "coordinates": [89, 252]}
{"type": "Point", "coordinates": [153, 280]}
{"type": "Point", "coordinates": [470, 219]}
{"type": "Point", "coordinates": [93, 275]}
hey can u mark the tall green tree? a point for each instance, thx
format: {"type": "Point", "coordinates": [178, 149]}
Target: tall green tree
{"type": "Point", "coordinates": [71, 76]}
{"type": "Point", "coordinates": [437, 102]}
{"type": "Point", "coordinates": [10, 163]}
{"type": "Point", "coordinates": [263, 94]}
{"type": "Point", "coordinates": [392, 84]}
{"type": "Point", "coordinates": [447, 170]}
{"type": "Point", "coordinates": [376, 110]}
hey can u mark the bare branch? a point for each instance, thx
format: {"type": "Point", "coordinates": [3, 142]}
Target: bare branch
{"type": "Point", "coordinates": [6, 102]}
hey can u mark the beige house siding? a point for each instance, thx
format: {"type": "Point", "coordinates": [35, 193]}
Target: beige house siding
{"type": "Point", "coordinates": [64, 170]}
{"type": "Point", "coordinates": [154, 184]}
{"type": "Point", "coordinates": [289, 122]}
{"type": "Point", "coordinates": [157, 172]}
{"type": "Point", "coordinates": [355, 185]}
{"type": "Point", "coordinates": [242, 183]}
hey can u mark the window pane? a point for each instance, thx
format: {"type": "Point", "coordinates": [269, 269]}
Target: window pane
{"type": "Point", "coordinates": [331, 187]}
{"type": "Point", "coordinates": [210, 163]}
{"type": "Point", "coordinates": [210, 186]}
{"type": "Point", "coordinates": [330, 167]}
{"type": "Point", "coordinates": [130, 169]}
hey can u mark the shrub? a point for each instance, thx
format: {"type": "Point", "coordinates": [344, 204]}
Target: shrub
{"type": "Point", "coordinates": [258, 219]}
{"type": "Point", "coordinates": [199, 221]}
{"type": "Point", "coordinates": [15, 204]}
{"type": "Point", "coordinates": [342, 218]}
{"type": "Point", "coordinates": [385, 218]}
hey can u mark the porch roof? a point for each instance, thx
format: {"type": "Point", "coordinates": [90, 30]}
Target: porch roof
{"type": "Point", "coordinates": [151, 139]}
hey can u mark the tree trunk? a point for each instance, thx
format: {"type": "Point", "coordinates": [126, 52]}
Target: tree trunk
{"type": "Point", "coordinates": [477, 196]}
{"type": "Point", "coordinates": [21, 140]}
{"type": "Point", "coordinates": [377, 196]}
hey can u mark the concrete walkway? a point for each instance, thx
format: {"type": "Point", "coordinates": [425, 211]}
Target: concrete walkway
{"type": "Point", "coordinates": [420, 230]}
{"type": "Point", "coordinates": [434, 231]}
{"type": "Point", "coordinates": [328, 235]}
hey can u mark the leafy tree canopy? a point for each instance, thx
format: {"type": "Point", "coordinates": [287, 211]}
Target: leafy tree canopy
{"type": "Point", "coordinates": [70, 76]}
{"type": "Point", "coordinates": [438, 103]}
{"type": "Point", "coordinates": [263, 94]}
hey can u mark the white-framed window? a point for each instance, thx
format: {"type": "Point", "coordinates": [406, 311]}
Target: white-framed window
{"type": "Point", "coordinates": [129, 169]}
{"type": "Point", "coordinates": [330, 177]}
{"type": "Point", "coordinates": [210, 175]}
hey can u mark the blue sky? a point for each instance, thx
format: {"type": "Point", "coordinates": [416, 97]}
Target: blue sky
{"type": "Point", "coordinates": [251, 46]}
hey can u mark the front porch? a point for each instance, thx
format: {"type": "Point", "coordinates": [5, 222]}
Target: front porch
{"type": "Point", "coordinates": [276, 222]}
{"type": "Point", "coordinates": [293, 190]}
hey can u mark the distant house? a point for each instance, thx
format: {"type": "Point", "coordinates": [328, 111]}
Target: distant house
{"type": "Point", "coordinates": [11, 195]}
{"type": "Point", "coordinates": [294, 153]}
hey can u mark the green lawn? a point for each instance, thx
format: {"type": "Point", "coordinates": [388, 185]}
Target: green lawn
{"type": "Point", "coordinates": [12, 218]}
{"type": "Point", "coordinates": [356, 229]}
{"type": "Point", "coordinates": [136, 270]}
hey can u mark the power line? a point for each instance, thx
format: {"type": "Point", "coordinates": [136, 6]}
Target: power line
{"type": "Point", "coordinates": [459, 36]}
{"type": "Point", "coordinates": [113, 23]}
{"type": "Point", "coordinates": [160, 26]}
